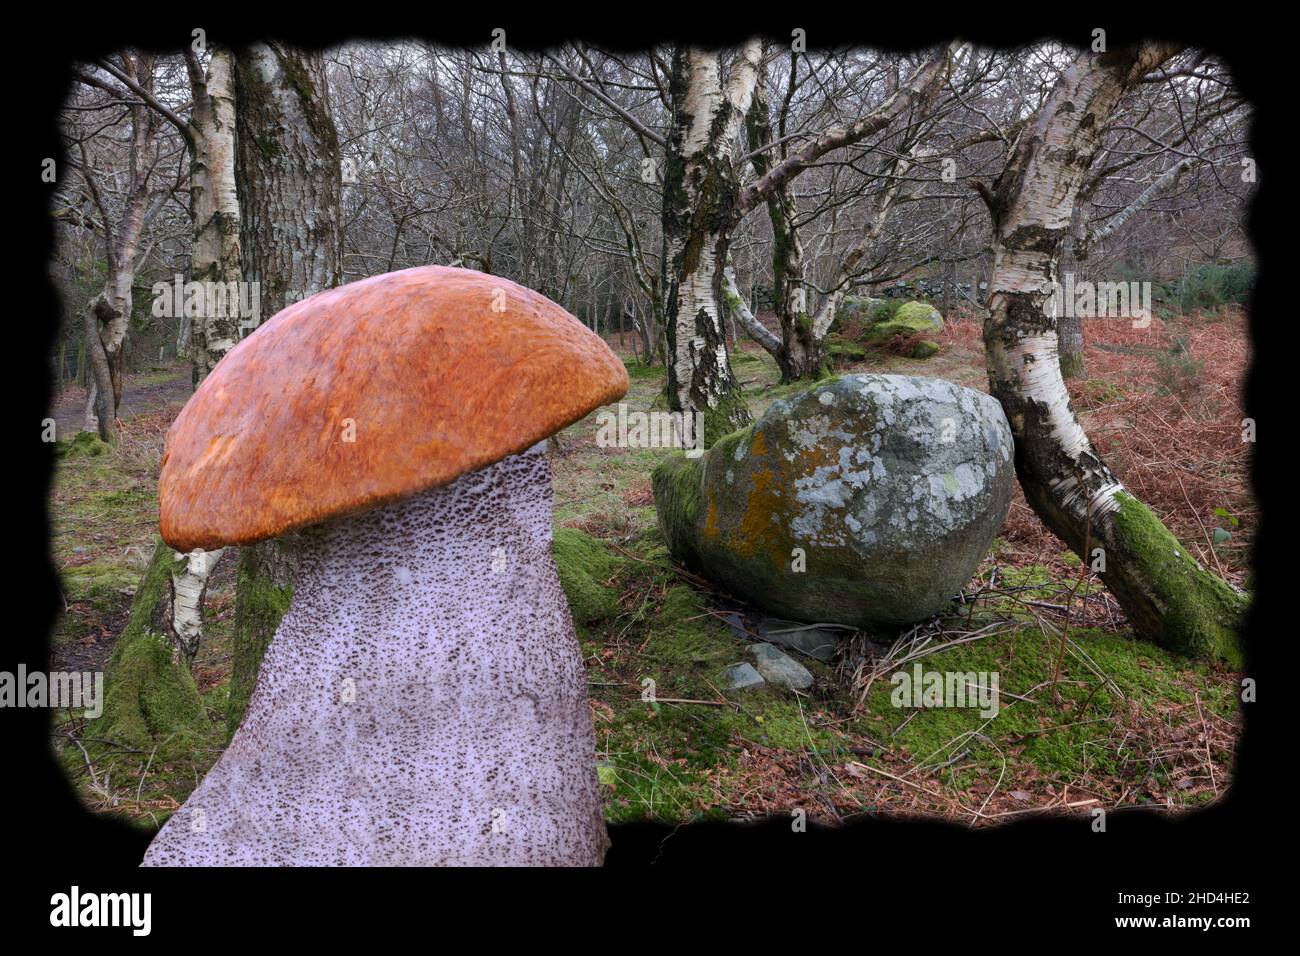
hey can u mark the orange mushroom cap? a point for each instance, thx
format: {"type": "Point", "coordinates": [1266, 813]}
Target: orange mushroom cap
{"type": "Point", "coordinates": [371, 392]}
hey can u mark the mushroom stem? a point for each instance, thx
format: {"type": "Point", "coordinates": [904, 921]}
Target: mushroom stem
{"type": "Point", "coordinates": [423, 702]}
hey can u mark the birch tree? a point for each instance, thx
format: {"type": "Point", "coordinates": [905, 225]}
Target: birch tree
{"type": "Point", "coordinates": [209, 136]}
{"type": "Point", "coordinates": [700, 190]}
{"type": "Point", "coordinates": [704, 203]}
{"type": "Point", "coordinates": [1168, 597]}
{"type": "Point", "coordinates": [126, 201]}
{"type": "Point", "coordinates": [1167, 151]}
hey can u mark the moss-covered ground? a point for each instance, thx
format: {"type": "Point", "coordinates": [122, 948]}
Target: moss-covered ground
{"type": "Point", "coordinates": [1120, 723]}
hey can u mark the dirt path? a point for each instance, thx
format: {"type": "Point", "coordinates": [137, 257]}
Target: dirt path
{"type": "Point", "coordinates": [142, 393]}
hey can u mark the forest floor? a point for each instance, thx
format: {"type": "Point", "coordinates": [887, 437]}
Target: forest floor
{"type": "Point", "coordinates": [1123, 725]}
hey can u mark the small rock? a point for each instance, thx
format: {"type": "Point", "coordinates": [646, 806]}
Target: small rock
{"type": "Point", "coordinates": [742, 677]}
{"type": "Point", "coordinates": [816, 642]}
{"type": "Point", "coordinates": [780, 668]}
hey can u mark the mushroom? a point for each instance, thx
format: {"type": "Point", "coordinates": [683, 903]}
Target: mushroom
{"type": "Point", "coordinates": [423, 700]}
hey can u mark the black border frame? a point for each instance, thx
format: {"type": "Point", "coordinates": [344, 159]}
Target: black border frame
{"type": "Point", "coordinates": [925, 881]}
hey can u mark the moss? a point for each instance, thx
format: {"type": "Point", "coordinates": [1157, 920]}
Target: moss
{"type": "Point", "coordinates": [149, 692]}
{"type": "Point", "coordinates": [856, 313]}
{"type": "Point", "coordinates": [842, 351]}
{"type": "Point", "coordinates": [910, 319]}
{"type": "Point", "coordinates": [924, 349]}
{"type": "Point", "coordinates": [723, 418]}
{"type": "Point", "coordinates": [680, 635]}
{"type": "Point", "coordinates": [1072, 365]}
{"type": "Point", "coordinates": [1067, 742]}
{"type": "Point", "coordinates": [125, 500]}
{"type": "Point", "coordinates": [585, 569]}
{"type": "Point", "coordinates": [676, 761]}
{"type": "Point", "coordinates": [100, 582]}
{"type": "Point", "coordinates": [1032, 582]}
{"type": "Point", "coordinates": [1201, 611]}
{"type": "Point", "coordinates": [259, 605]}
{"type": "Point", "coordinates": [636, 369]}
{"type": "Point", "coordinates": [682, 762]}
{"type": "Point", "coordinates": [82, 445]}
{"type": "Point", "coordinates": [1098, 391]}
{"type": "Point", "coordinates": [734, 302]}
{"type": "Point", "coordinates": [678, 485]}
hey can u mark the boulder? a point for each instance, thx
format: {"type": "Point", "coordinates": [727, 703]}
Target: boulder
{"type": "Point", "coordinates": [911, 318]}
{"type": "Point", "coordinates": [860, 310]}
{"type": "Point", "coordinates": [867, 500]}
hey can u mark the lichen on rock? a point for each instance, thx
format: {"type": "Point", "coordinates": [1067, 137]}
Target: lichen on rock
{"type": "Point", "coordinates": [866, 500]}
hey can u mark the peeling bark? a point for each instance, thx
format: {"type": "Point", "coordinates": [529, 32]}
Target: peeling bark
{"type": "Point", "coordinates": [700, 191]}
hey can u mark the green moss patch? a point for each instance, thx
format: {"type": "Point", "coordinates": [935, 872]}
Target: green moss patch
{"type": "Point", "coordinates": [260, 604]}
{"type": "Point", "coordinates": [912, 318]}
{"type": "Point", "coordinates": [1202, 611]}
{"type": "Point", "coordinates": [149, 694]}
{"type": "Point", "coordinates": [82, 445]}
{"type": "Point", "coordinates": [102, 582]}
{"type": "Point", "coordinates": [586, 569]}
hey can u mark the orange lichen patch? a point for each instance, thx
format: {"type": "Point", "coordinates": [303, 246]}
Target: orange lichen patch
{"type": "Point", "coordinates": [758, 531]}
{"type": "Point", "coordinates": [758, 444]}
{"type": "Point", "coordinates": [371, 392]}
{"type": "Point", "coordinates": [711, 519]}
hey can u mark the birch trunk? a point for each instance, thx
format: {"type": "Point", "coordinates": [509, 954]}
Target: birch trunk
{"type": "Point", "coordinates": [215, 258]}
{"type": "Point", "coordinates": [700, 191]}
{"type": "Point", "coordinates": [801, 351]}
{"type": "Point", "coordinates": [1168, 597]}
{"type": "Point", "coordinates": [289, 181]}
{"type": "Point", "coordinates": [214, 202]}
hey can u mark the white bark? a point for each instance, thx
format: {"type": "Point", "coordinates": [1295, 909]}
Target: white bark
{"type": "Point", "coordinates": [740, 309]}
{"type": "Point", "coordinates": [698, 217]}
{"type": "Point", "coordinates": [706, 102]}
{"type": "Point", "coordinates": [215, 256]}
{"type": "Point", "coordinates": [1167, 596]}
{"type": "Point", "coordinates": [1164, 182]}
{"type": "Point", "coordinates": [190, 574]}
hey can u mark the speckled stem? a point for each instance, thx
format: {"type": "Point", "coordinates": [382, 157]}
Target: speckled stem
{"type": "Point", "coordinates": [423, 701]}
